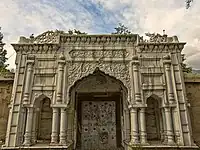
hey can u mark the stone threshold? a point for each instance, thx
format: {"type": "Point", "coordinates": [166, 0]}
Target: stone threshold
{"type": "Point", "coordinates": [40, 147]}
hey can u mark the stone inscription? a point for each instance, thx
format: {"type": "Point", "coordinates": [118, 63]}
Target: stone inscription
{"type": "Point", "coordinates": [117, 53]}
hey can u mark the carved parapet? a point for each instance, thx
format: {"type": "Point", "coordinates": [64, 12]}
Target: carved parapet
{"type": "Point", "coordinates": [99, 38]}
{"type": "Point", "coordinates": [44, 38]}
{"type": "Point", "coordinates": [160, 47]}
{"type": "Point", "coordinates": [35, 48]}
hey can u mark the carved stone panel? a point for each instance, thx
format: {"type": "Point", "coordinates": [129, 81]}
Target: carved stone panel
{"type": "Point", "coordinates": [117, 53]}
{"type": "Point", "coordinates": [119, 70]}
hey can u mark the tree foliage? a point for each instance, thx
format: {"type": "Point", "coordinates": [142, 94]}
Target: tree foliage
{"type": "Point", "coordinates": [186, 69]}
{"type": "Point", "coordinates": [76, 32]}
{"type": "Point", "coordinates": [122, 29]}
{"type": "Point", "coordinates": [3, 57]}
{"type": "Point", "coordinates": [188, 3]}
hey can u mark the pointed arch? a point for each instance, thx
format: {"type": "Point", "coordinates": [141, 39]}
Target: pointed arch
{"type": "Point", "coordinates": [96, 72]}
{"type": "Point", "coordinates": [38, 98]}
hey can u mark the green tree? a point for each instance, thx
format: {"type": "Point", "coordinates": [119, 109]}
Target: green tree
{"type": "Point", "coordinates": [3, 57]}
{"type": "Point", "coordinates": [188, 3]}
{"type": "Point", "coordinates": [122, 29]}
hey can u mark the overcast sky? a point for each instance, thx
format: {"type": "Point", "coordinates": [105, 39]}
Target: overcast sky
{"type": "Point", "coordinates": [24, 17]}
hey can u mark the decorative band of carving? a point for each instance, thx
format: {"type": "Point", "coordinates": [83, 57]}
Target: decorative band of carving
{"type": "Point", "coordinates": [117, 53]}
{"type": "Point", "coordinates": [35, 47]}
{"type": "Point", "coordinates": [120, 71]}
{"type": "Point", "coordinates": [99, 38]}
{"type": "Point", "coordinates": [160, 47]}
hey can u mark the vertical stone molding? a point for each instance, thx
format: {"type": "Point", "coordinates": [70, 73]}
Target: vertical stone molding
{"type": "Point", "coordinates": [134, 125]}
{"type": "Point", "coordinates": [136, 80]}
{"type": "Point", "coordinates": [70, 118]}
{"type": "Point", "coordinates": [34, 138]}
{"type": "Point", "coordinates": [170, 135]}
{"type": "Point", "coordinates": [61, 63]}
{"type": "Point", "coordinates": [30, 63]}
{"type": "Point", "coordinates": [164, 131]}
{"type": "Point", "coordinates": [55, 126]}
{"type": "Point", "coordinates": [29, 122]}
{"type": "Point", "coordinates": [177, 139]}
{"type": "Point", "coordinates": [143, 134]}
{"type": "Point", "coordinates": [167, 64]}
{"type": "Point", "coordinates": [63, 123]}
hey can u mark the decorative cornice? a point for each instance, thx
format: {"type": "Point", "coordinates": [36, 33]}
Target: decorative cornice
{"type": "Point", "coordinates": [35, 48]}
{"type": "Point", "coordinates": [99, 39]}
{"type": "Point", "coordinates": [160, 47]}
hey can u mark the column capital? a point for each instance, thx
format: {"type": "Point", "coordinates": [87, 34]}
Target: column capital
{"type": "Point", "coordinates": [61, 62]}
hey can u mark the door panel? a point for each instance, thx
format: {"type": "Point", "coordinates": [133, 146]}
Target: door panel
{"type": "Point", "coordinates": [98, 125]}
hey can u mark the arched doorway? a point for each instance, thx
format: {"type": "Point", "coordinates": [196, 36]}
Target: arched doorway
{"type": "Point", "coordinates": [99, 104]}
{"type": "Point", "coordinates": [153, 120]}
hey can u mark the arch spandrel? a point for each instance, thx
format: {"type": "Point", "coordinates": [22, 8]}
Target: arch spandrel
{"type": "Point", "coordinates": [118, 70]}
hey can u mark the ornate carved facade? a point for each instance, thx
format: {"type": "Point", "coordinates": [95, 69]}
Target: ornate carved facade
{"type": "Point", "coordinates": [98, 92]}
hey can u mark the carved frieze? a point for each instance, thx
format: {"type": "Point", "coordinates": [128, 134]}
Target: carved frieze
{"type": "Point", "coordinates": [117, 53]}
{"type": "Point", "coordinates": [79, 70]}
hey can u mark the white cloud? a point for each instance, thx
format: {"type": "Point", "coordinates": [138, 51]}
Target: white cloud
{"type": "Point", "coordinates": [25, 17]}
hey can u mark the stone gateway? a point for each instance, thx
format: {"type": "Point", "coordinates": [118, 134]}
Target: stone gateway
{"type": "Point", "coordinates": [98, 92]}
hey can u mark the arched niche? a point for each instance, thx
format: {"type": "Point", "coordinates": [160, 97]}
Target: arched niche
{"type": "Point", "coordinates": [99, 89]}
{"type": "Point", "coordinates": [42, 119]}
{"type": "Point", "coordinates": [154, 119]}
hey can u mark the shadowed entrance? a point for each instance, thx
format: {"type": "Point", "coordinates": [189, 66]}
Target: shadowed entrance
{"type": "Point", "coordinates": [99, 105]}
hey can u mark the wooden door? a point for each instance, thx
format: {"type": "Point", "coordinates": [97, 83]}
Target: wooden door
{"type": "Point", "coordinates": [98, 125]}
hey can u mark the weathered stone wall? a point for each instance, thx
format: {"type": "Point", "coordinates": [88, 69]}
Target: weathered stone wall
{"type": "Point", "coordinates": [6, 83]}
{"type": "Point", "coordinates": [192, 83]}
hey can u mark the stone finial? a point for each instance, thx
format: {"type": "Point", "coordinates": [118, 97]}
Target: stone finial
{"type": "Point", "coordinates": [61, 57]}
{"type": "Point", "coordinates": [167, 57]}
{"type": "Point", "coordinates": [32, 36]}
{"type": "Point", "coordinates": [163, 32]}
{"type": "Point", "coordinates": [135, 57]}
{"type": "Point", "coordinates": [31, 57]}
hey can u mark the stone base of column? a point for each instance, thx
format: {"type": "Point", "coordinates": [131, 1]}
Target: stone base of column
{"type": "Point", "coordinates": [63, 140]}
{"type": "Point", "coordinates": [27, 140]}
{"type": "Point", "coordinates": [54, 139]}
{"type": "Point", "coordinates": [134, 140]}
{"type": "Point", "coordinates": [143, 141]}
{"type": "Point", "coordinates": [170, 142]}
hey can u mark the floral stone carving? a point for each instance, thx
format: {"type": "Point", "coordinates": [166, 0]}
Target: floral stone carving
{"type": "Point", "coordinates": [118, 70]}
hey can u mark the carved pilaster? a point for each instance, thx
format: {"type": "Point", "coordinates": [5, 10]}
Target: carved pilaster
{"type": "Point", "coordinates": [61, 63]}
{"type": "Point", "coordinates": [170, 135]}
{"type": "Point", "coordinates": [30, 63]}
{"type": "Point", "coordinates": [55, 126]}
{"type": "Point", "coordinates": [134, 125]}
{"type": "Point", "coordinates": [29, 122]}
{"type": "Point", "coordinates": [143, 134]}
{"type": "Point", "coordinates": [136, 80]}
{"type": "Point", "coordinates": [63, 128]}
{"type": "Point", "coordinates": [167, 64]}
